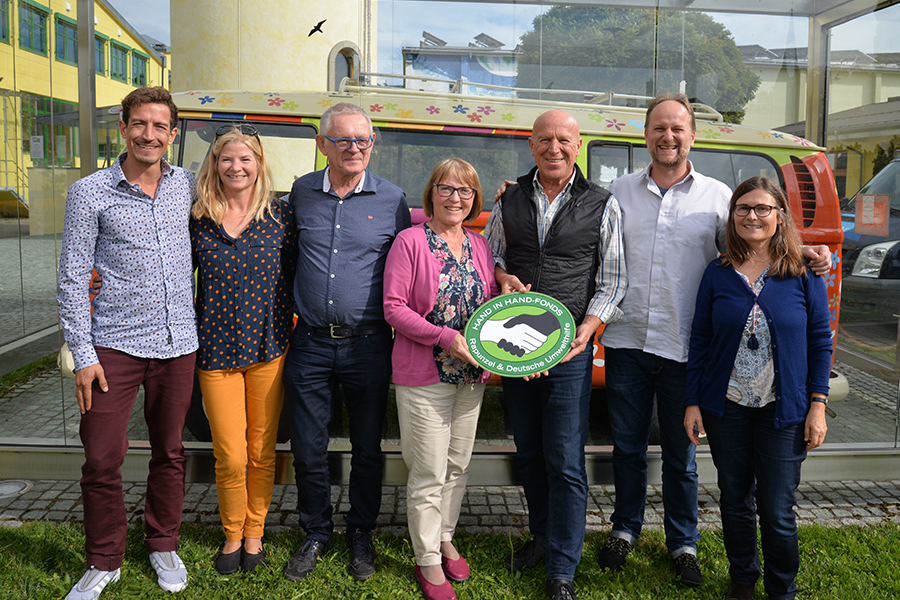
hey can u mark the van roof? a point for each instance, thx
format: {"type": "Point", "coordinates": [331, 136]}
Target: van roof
{"type": "Point", "coordinates": [397, 107]}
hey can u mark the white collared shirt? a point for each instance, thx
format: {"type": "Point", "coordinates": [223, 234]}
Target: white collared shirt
{"type": "Point", "coordinates": [669, 240]}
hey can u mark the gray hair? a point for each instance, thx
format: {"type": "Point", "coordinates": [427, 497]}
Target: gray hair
{"type": "Point", "coordinates": [341, 108]}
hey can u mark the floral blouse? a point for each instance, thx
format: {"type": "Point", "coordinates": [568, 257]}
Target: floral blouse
{"type": "Point", "coordinates": [752, 381]}
{"type": "Point", "coordinates": [460, 292]}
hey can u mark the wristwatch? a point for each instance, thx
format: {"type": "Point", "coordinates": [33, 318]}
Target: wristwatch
{"type": "Point", "coordinates": [822, 400]}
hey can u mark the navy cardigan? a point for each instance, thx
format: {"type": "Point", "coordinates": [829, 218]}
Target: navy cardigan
{"type": "Point", "coordinates": [796, 310]}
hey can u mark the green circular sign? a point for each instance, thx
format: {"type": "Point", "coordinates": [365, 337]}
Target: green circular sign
{"type": "Point", "coordinates": [520, 334]}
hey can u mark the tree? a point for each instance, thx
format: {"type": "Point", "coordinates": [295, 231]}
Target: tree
{"type": "Point", "coordinates": [612, 49]}
{"type": "Point", "coordinates": [882, 158]}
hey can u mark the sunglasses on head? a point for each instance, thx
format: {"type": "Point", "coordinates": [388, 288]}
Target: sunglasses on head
{"type": "Point", "coordinates": [244, 129]}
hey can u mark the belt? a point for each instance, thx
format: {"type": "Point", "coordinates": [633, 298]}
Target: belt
{"type": "Point", "coordinates": [344, 331]}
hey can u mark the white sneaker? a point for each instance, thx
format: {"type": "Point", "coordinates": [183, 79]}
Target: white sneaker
{"type": "Point", "coordinates": [92, 583]}
{"type": "Point", "coordinates": [171, 571]}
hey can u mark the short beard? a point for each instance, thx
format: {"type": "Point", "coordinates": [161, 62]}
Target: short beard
{"type": "Point", "coordinates": [680, 158]}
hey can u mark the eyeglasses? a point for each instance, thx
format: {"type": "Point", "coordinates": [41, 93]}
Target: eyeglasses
{"type": "Point", "coordinates": [445, 191]}
{"type": "Point", "coordinates": [345, 143]}
{"type": "Point", "coordinates": [244, 129]}
{"type": "Point", "coordinates": [762, 210]}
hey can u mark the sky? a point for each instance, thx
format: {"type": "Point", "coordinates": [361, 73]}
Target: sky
{"type": "Point", "coordinates": [148, 17]}
{"type": "Point", "coordinates": [401, 24]}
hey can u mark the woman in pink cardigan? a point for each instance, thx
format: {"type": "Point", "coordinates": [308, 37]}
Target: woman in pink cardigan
{"type": "Point", "coordinates": [437, 274]}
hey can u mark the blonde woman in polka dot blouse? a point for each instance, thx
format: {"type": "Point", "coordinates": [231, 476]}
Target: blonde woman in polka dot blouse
{"type": "Point", "coordinates": [245, 247]}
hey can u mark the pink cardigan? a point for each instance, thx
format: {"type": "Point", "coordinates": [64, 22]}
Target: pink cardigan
{"type": "Point", "coordinates": [410, 291]}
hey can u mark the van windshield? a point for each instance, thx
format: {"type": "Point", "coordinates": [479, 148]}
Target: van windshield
{"type": "Point", "coordinates": [407, 158]}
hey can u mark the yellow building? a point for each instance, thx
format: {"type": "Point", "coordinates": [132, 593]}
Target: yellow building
{"type": "Point", "coordinates": [39, 88]}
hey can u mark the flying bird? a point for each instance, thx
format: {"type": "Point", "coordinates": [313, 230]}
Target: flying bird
{"type": "Point", "coordinates": [613, 30]}
{"type": "Point", "coordinates": [318, 28]}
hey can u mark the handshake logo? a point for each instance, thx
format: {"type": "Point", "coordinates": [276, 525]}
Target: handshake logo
{"type": "Point", "coordinates": [520, 334]}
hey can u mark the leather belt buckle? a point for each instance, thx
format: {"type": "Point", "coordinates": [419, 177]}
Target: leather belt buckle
{"type": "Point", "coordinates": [336, 328]}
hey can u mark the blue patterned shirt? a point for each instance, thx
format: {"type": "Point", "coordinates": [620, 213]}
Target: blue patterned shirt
{"type": "Point", "coordinates": [141, 248]}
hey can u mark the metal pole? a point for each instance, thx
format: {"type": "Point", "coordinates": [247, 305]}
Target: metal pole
{"type": "Point", "coordinates": [87, 96]}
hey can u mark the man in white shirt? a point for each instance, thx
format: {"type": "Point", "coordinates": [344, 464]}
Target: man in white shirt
{"type": "Point", "coordinates": [673, 225]}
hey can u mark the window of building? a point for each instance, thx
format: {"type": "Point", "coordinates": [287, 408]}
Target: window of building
{"type": "Point", "coordinates": [33, 27]}
{"type": "Point", "coordinates": [138, 69]}
{"type": "Point", "coordinates": [66, 40]}
{"type": "Point", "coordinates": [100, 55]}
{"type": "Point", "coordinates": [4, 21]}
{"type": "Point", "coordinates": [118, 62]}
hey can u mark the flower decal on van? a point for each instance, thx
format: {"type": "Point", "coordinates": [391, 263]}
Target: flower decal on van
{"type": "Point", "coordinates": [375, 108]}
{"type": "Point", "coordinates": [764, 134]}
{"type": "Point", "coordinates": [713, 135]}
{"type": "Point", "coordinates": [225, 101]}
{"type": "Point", "coordinates": [507, 116]}
{"type": "Point", "coordinates": [324, 103]}
{"type": "Point", "coordinates": [292, 106]}
{"type": "Point", "coordinates": [597, 116]}
{"type": "Point", "coordinates": [404, 114]}
{"type": "Point", "coordinates": [486, 110]}
{"type": "Point", "coordinates": [459, 108]}
{"type": "Point", "coordinates": [206, 100]}
{"type": "Point", "coordinates": [390, 106]}
{"type": "Point", "coordinates": [474, 117]}
{"type": "Point", "coordinates": [433, 109]}
{"type": "Point", "coordinates": [614, 123]}
{"type": "Point", "coordinates": [275, 101]}
{"type": "Point", "coordinates": [726, 129]}
{"type": "Point", "coordinates": [636, 123]}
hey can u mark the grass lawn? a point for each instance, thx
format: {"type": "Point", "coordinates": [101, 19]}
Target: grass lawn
{"type": "Point", "coordinates": [41, 560]}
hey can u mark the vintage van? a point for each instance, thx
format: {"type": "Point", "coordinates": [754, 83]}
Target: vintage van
{"type": "Point", "coordinates": [415, 129]}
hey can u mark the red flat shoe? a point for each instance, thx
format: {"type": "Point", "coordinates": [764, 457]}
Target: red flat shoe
{"type": "Point", "coordinates": [435, 592]}
{"type": "Point", "coordinates": [456, 570]}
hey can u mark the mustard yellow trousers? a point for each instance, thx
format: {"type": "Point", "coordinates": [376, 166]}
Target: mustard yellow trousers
{"type": "Point", "coordinates": [243, 406]}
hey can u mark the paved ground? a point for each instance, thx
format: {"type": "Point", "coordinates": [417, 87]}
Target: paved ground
{"type": "Point", "coordinates": [485, 509]}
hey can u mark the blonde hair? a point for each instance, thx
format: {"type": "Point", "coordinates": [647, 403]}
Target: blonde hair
{"type": "Point", "coordinates": [785, 247]}
{"type": "Point", "coordinates": [454, 167]}
{"type": "Point", "coordinates": [210, 193]}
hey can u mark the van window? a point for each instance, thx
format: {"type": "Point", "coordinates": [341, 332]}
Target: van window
{"type": "Point", "coordinates": [406, 157]}
{"type": "Point", "coordinates": [290, 148]}
{"type": "Point", "coordinates": [608, 160]}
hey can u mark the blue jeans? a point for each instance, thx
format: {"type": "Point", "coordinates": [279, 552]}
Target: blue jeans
{"type": "Point", "coordinates": [757, 461]}
{"type": "Point", "coordinates": [633, 377]}
{"type": "Point", "coordinates": [549, 417]}
{"type": "Point", "coordinates": [314, 367]}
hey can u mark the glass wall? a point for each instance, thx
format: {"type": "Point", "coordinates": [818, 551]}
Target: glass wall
{"type": "Point", "coordinates": [768, 66]}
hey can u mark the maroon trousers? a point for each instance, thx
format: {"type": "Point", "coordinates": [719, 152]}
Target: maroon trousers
{"type": "Point", "coordinates": [168, 384]}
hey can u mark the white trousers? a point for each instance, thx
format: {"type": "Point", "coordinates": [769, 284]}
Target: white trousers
{"type": "Point", "coordinates": [437, 434]}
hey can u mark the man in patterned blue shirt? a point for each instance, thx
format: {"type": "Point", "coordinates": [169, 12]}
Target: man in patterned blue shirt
{"type": "Point", "coordinates": [130, 223]}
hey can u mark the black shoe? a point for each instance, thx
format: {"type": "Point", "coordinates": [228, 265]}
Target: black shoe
{"type": "Point", "coordinates": [613, 554]}
{"type": "Point", "coordinates": [740, 592]}
{"type": "Point", "coordinates": [251, 561]}
{"type": "Point", "coordinates": [529, 555]}
{"type": "Point", "coordinates": [687, 570]}
{"type": "Point", "coordinates": [560, 589]}
{"type": "Point", "coordinates": [226, 564]}
{"type": "Point", "coordinates": [304, 560]}
{"type": "Point", "coordinates": [362, 555]}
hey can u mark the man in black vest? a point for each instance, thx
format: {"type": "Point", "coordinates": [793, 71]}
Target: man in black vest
{"type": "Point", "coordinates": [557, 233]}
